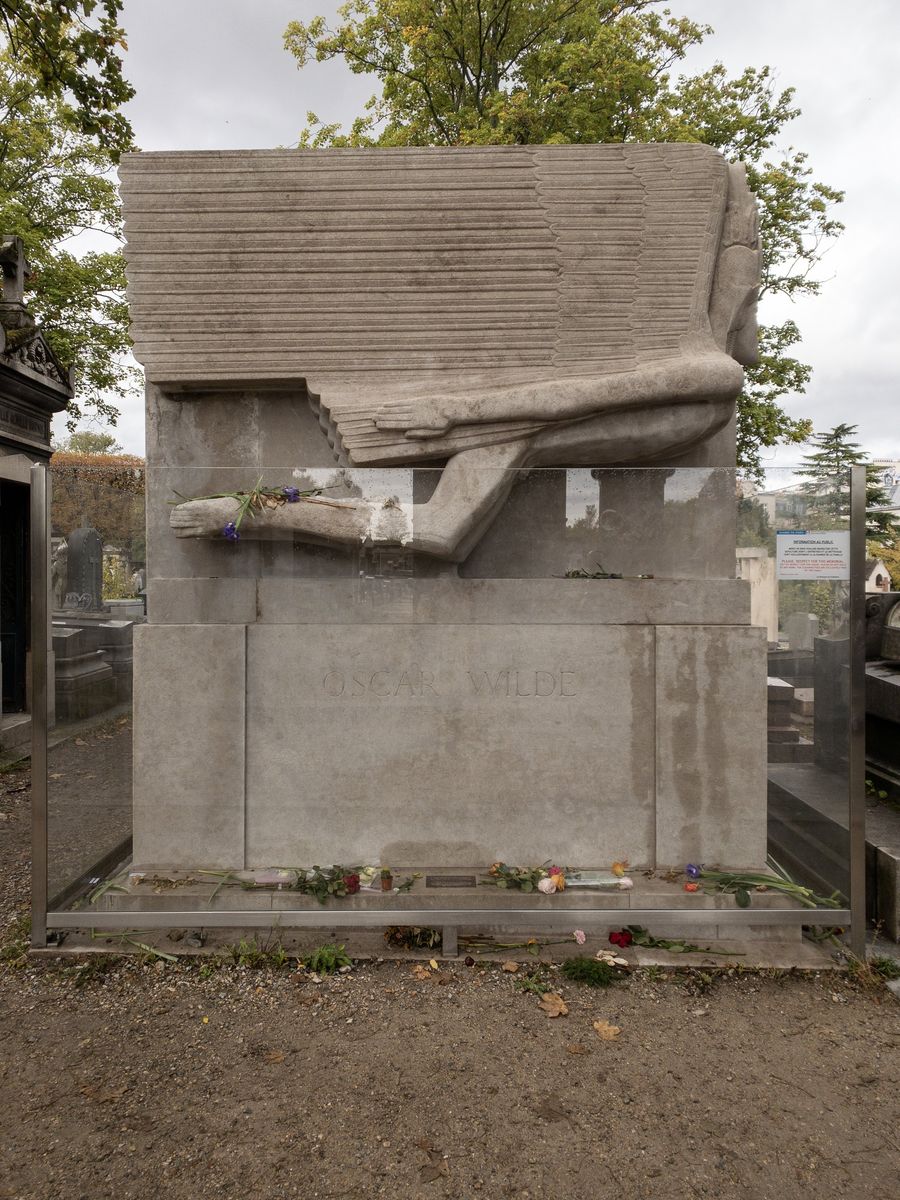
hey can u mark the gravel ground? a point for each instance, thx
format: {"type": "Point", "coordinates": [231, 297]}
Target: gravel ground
{"type": "Point", "coordinates": [121, 1078]}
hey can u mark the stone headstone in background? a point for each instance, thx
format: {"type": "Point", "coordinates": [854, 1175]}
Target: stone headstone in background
{"type": "Point", "coordinates": [84, 583]}
{"type": "Point", "coordinates": [802, 629]}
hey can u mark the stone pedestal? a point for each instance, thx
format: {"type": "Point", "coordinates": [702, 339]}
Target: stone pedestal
{"type": "Point", "coordinates": [94, 665]}
{"type": "Point", "coordinates": [453, 721]}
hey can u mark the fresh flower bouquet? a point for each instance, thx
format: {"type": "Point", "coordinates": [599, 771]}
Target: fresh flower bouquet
{"type": "Point", "coordinates": [546, 879]}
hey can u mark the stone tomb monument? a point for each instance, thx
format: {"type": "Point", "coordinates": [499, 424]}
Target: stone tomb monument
{"type": "Point", "coordinates": [396, 670]}
{"type": "Point", "coordinates": [84, 571]}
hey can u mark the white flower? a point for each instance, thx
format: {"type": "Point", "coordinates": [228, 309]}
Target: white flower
{"type": "Point", "coordinates": [547, 886]}
{"type": "Point", "coordinates": [626, 883]}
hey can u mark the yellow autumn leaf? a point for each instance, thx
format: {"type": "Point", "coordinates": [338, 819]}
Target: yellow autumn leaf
{"type": "Point", "coordinates": [432, 962]}
{"type": "Point", "coordinates": [510, 967]}
{"type": "Point", "coordinates": [553, 1005]}
{"type": "Point", "coordinates": [605, 1031]}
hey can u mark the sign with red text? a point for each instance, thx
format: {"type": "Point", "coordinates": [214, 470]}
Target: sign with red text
{"type": "Point", "coordinates": [812, 554]}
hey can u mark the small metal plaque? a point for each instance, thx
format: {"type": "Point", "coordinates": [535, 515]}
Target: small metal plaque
{"type": "Point", "coordinates": [450, 881]}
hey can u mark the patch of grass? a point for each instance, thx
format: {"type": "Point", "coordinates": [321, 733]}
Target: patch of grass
{"type": "Point", "coordinates": [15, 945]}
{"type": "Point", "coordinates": [534, 982]}
{"type": "Point", "coordinates": [886, 967]}
{"type": "Point", "coordinates": [654, 973]}
{"type": "Point", "coordinates": [92, 970]}
{"type": "Point", "coordinates": [327, 959]}
{"type": "Point", "coordinates": [251, 954]}
{"type": "Point", "coordinates": [9, 766]}
{"type": "Point", "coordinates": [589, 971]}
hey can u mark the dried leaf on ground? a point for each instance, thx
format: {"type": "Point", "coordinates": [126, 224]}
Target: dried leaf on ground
{"type": "Point", "coordinates": [80, 742]}
{"type": "Point", "coordinates": [577, 1048]}
{"type": "Point", "coordinates": [436, 1166]}
{"type": "Point", "coordinates": [510, 966]}
{"type": "Point", "coordinates": [432, 962]}
{"type": "Point", "coordinates": [421, 972]}
{"type": "Point", "coordinates": [553, 1005]}
{"type": "Point", "coordinates": [274, 1056]}
{"type": "Point", "coordinates": [607, 1032]}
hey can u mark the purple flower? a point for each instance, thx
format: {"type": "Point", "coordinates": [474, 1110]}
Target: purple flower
{"type": "Point", "coordinates": [693, 871]}
{"type": "Point", "coordinates": [231, 532]}
{"type": "Point", "coordinates": [291, 494]}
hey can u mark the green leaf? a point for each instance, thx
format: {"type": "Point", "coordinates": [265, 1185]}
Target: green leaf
{"type": "Point", "coordinates": [742, 898]}
{"type": "Point", "coordinates": [560, 72]}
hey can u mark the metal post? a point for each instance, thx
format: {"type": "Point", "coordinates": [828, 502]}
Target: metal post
{"type": "Point", "coordinates": [857, 756]}
{"type": "Point", "coordinates": [40, 634]}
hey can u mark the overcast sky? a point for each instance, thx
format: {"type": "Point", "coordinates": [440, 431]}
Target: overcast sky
{"type": "Point", "coordinates": [212, 74]}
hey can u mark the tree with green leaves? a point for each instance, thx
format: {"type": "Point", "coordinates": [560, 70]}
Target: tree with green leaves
{"type": "Point", "coordinates": [477, 72]}
{"type": "Point", "coordinates": [827, 469]}
{"type": "Point", "coordinates": [89, 441]}
{"type": "Point", "coordinates": [61, 133]}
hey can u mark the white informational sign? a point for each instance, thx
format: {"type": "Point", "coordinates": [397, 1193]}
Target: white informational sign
{"type": "Point", "coordinates": [812, 554]}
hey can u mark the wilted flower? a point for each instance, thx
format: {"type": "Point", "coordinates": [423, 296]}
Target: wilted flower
{"type": "Point", "coordinates": [559, 880]}
{"type": "Point", "coordinates": [693, 871]}
{"type": "Point", "coordinates": [625, 883]}
{"type": "Point", "coordinates": [692, 887]}
{"type": "Point", "coordinates": [495, 868]}
{"type": "Point", "coordinates": [621, 937]}
{"type": "Point", "coordinates": [619, 868]}
{"type": "Point", "coordinates": [351, 883]}
{"type": "Point", "coordinates": [547, 886]}
{"type": "Point", "coordinates": [291, 494]}
{"type": "Point", "coordinates": [611, 960]}
{"type": "Point", "coordinates": [579, 936]}
{"type": "Point", "coordinates": [231, 532]}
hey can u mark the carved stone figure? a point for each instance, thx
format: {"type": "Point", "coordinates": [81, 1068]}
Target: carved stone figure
{"type": "Point", "coordinates": [59, 574]}
{"type": "Point", "coordinates": [489, 309]}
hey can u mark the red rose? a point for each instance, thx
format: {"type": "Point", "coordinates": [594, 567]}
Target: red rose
{"type": "Point", "coordinates": [621, 937]}
{"type": "Point", "coordinates": [351, 883]}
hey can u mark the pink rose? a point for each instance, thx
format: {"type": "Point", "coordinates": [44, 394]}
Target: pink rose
{"type": "Point", "coordinates": [547, 886]}
{"type": "Point", "coordinates": [579, 936]}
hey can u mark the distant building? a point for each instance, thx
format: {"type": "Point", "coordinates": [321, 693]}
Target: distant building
{"type": "Point", "coordinates": [889, 478]}
{"type": "Point", "coordinates": [878, 577]}
{"type": "Point", "coordinates": [785, 507]}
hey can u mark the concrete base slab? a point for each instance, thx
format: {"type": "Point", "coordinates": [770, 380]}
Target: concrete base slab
{"type": "Point", "coordinates": [15, 731]}
{"type": "Point", "coordinates": [366, 945]}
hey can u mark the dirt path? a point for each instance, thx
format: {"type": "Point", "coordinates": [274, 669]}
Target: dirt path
{"type": "Point", "coordinates": [125, 1079]}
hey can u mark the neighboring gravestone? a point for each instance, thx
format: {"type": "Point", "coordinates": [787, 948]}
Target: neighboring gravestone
{"type": "Point", "coordinates": [84, 578]}
{"type": "Point", "coordinates": [802, 629]}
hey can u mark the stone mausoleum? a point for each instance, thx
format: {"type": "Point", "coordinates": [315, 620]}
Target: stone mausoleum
{"type": "Point", "coordinates": [460, 347]}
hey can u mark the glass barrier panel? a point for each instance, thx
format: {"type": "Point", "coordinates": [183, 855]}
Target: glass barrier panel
{"type": "Point", "coordinates": [98, 598]}
{"type": "Point", "coordinates": [419, 673]}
